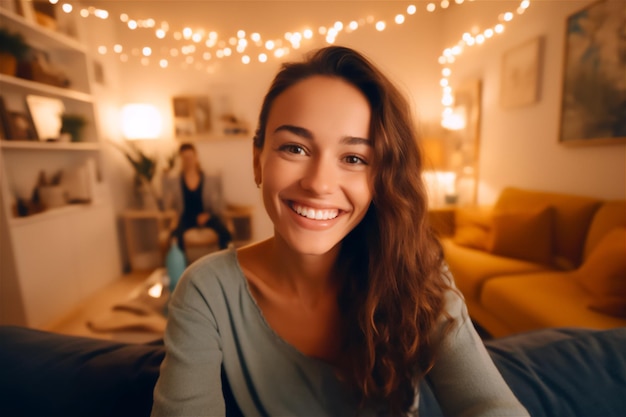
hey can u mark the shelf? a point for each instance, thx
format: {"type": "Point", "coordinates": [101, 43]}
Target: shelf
{"type": "Point", "coordinates": [36, 87]}
{"type": "Point", "coordinates": [39, 35]}
{"type": "Point", "coordinates": [49, 146]}
{"type": "Point", "coordinates": [52, 213]}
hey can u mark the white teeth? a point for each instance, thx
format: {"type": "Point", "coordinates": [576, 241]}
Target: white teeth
{"type": "Point", "coordinates": [313, 214]}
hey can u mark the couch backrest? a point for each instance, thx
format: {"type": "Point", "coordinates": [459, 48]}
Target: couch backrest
{"type": "Point", "coordinates": [610, 215]}
{"type": "Point", "coordinates": [572, 217]}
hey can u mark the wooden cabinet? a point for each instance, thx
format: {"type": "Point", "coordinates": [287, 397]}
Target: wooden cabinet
{"type": "Point", "coordinates": [53, 259]}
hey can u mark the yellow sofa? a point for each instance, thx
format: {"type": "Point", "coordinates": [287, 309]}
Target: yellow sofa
{"type": "Point", "coordinates": [537, 260]}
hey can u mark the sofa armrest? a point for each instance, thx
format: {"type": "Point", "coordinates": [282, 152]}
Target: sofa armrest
{"type": "Point", "coordinates": [442, 221]}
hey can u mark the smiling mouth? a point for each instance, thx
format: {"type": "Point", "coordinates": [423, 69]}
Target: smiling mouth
{"type": "Point", "coordinates": [313, 213]}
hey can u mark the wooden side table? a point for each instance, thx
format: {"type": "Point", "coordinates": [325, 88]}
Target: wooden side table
{"type": "Point", "coordinates": [145, 255]}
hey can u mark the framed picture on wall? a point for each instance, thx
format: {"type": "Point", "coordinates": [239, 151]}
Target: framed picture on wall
{"type": "Point", "coordinates": [192, 116]}
{"type": "Point", "coordinates": [519, 84]}
{"type": "Point", "coordinates": [593, 101]}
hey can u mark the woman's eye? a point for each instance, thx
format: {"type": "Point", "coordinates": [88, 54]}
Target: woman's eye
{"type": "Point", "coordinates": [293, 149]}
{"type": "Point", "coordinates": [354, 160]}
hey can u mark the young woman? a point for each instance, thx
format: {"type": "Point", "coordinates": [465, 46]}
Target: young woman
{"type": "Point", "coordinates": [349, 304]}
{"type": "Point", "coordinates": [196, 198]}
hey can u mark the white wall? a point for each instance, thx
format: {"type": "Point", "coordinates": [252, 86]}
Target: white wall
{"type": "Point", "coordinates": [519, 147]}
{"type": "Point", "coordinates": [408, 53]}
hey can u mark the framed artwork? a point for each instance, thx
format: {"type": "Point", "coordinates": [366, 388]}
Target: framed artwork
{"type": "Point", "coordinates": [192, 116]}
{"type": "Point", "coordinates": [593, 101]}
{"type": "Point", "coordinates": [45, 112]}
{"type": "Point", "coordinates": [520, 74]}
{"type": "Point", "coordinates": [21, 126]}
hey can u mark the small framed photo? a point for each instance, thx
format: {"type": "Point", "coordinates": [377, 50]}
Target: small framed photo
{"type": "Point", "coordinates": [21, 126]}
{"type": "Point", "coordinates": [520, 74]}
{"type": "Point", "coordinates": [192, 116]}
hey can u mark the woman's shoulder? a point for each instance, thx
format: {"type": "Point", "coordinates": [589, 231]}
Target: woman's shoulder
{"type": "Point", "coordinates": [214, 274]}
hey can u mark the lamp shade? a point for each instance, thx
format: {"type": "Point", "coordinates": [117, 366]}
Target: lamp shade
{"type": "Point", "coordinates": [141, 121]}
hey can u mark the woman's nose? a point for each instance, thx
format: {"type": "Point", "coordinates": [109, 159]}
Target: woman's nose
{"type": "Point", "coordinates": [321, 176]}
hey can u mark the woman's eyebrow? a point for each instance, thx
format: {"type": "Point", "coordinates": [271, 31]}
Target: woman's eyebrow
{"type": "Point", "coordinates": [296, 130]}
{"type": "Point", "coordinates": [307, 134]}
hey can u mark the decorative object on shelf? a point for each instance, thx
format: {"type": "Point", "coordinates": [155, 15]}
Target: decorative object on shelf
{"type": "Point", "coordinates": [21, 126]}
{"type": "Point", "coordinates": [37, 67]}
{"type": "Point", "coordinates": [5, 132]}
{"type": "Point", "coordinates": [13, 48]}
{"type": "Point", "coordinates": [519, 84]}
{"type": "Point", "coordinates": [594, 92]}
{"type": "Point", "coordinates": [45, 14]}
{"type": "Point", "coordinates": [145, 168]}
{"type": "Point", "coordinates": [45, 113]}
{"type": "Point", "coordinates": [192, 116]}
{"type": "Point", "coordinates": [229, 124]}
{"type": "Point", "coordinates": [73, 124]}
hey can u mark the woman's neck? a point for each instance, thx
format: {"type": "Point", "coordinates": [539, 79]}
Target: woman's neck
{"type": "Point", "coordinates": [309, 277]}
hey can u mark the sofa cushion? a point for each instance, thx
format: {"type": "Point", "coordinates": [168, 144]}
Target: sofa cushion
{"type": "Point", "coordinates": [572, 217]}
{"type": "Point", "coordinates": [472, 227]}
{"type": "Point", "coordinates": [610, 215]}
{"type": "Point", "coordinates": [472, 267]}
{"type": "Point", "coordinates": [604, 272]}
{"type": "Point", "coordinates": [525, 235]}
{"type": "Point", "coordinates": [549, 299]}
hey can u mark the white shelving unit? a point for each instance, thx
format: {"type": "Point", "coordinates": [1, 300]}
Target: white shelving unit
{"type": "Point", "coordinates": [54, 259]}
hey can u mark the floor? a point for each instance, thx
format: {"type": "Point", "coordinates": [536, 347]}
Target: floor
{"type": "Point", "coordinates": [75, 322]}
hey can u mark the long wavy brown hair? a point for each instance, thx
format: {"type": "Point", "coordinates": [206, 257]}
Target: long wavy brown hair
{"type": "Point", "coordinates": [393, 299]}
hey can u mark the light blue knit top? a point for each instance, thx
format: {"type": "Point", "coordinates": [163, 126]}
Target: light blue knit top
{"type": "Point", "coordinates": [214, 322]}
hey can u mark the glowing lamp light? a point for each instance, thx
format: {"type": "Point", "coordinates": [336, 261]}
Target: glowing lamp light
{"type": "Point", "coordinates": [141, 121]}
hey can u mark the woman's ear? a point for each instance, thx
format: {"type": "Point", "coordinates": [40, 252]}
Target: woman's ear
{"type": "Point", "coordinates": [256, 161]}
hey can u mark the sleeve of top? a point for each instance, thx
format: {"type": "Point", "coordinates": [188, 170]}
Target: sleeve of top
{"type": "Point", "coordinates": [189, 383]}
{"type": "Point", "coordinates": [464, 378]}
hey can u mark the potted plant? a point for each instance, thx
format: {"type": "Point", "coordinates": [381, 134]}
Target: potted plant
{"type": "Point", "coordinates": [145, 168]}
{"type": "Point", "coordinates": [73, 124]}
{"type": "Point", "coordinates": [13, 48]}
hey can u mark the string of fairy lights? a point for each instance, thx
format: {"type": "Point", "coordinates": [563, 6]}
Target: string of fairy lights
{"type": "Point", "coordinates": [200, 46]}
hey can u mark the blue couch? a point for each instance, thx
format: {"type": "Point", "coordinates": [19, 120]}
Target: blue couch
{"type": "Point", "coordinates": [553, 372]}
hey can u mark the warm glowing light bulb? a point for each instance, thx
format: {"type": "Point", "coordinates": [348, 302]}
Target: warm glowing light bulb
{"type": "Point", "coordinates": [262, 57]}
{"type": "Point", "coordinates": [480, 39]}
{"type": "Point", "coordinates": [488, 33]}
{"type": "Point", "coordinates": [255, 37]}
{"type": "Point", "coordinates": [411, 9]}
{"type": "Point", "coordinates": [444, 4]}
{"type": "Point", "coordinates": [499, 28]}
{"type": "Point", "coordinates": [245, 59]}
{"type": "Point", "coordinates": [269, 45]}
{"type": "Point", "coordinates": [508, 16]}
{"type": "Point", "coordinates": [524, 4]}
{"type": "Point", "coordinates": [430, 7]}
{"type": "Point", "coordinates": [84, 13]}
{"type": "Point", "coordinates": [458, 1]}
{"type": "Point", "coordinates": [241, 34]}
{"type": "Point", "coordinates": [354, 25]}
{"type": "Point", "coordinates": [322, 30]}
{"type": "Point", "coordinates": [160, 33]}
{"type": "Point", "coordinates": [338, 26]}
{"type": "Point", "coordinates": [228, 52]}
{"type": "Point", "coordinates": [279, 53]}
{"type": "Point", "coordinates": [399, 19]}
{"type": "Point", "coordinates": [54, 1]}
{"type": "Point", "coordinates": [132, 24]}
{"type": "Point", "coordinates": [443, 82]}
{"type": "Point", "coordinates": [102, 49]}
{"type": "Point", "coordinates": [146, 51]}
{"type": "Point", "coordinates": [219, 53]}
{"type": "Point", "coordinates": [307, 33]}
{"type": "Point", "coordinates": [163, 63]}
{"type": "Point", "coordinates": [117, 48]}
{"type": "Point", "coordinates": [446, 72]}
{"type": "Point", "coordinates": [380, 26]}
{"type": "Point", "coordinates": [213, 35]}
{"type": "Point", "coordinates": [102, 14]}
{"type": "Point", "coordinates": [124, 17]}
{"type": "Point", "coordinates": [187, 32]}
{"type": "Point", "coordinates": [197, 37]}
{"type": "Point", "coordinates": [67, 8]}
{"type": "Point", "coordinates": [232, 41]}
{"type": "Point", "coordinates": [141, 121]}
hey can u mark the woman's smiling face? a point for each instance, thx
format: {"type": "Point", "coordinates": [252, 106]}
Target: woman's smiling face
{"type": "Point", "coordinates": [315, 163]}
